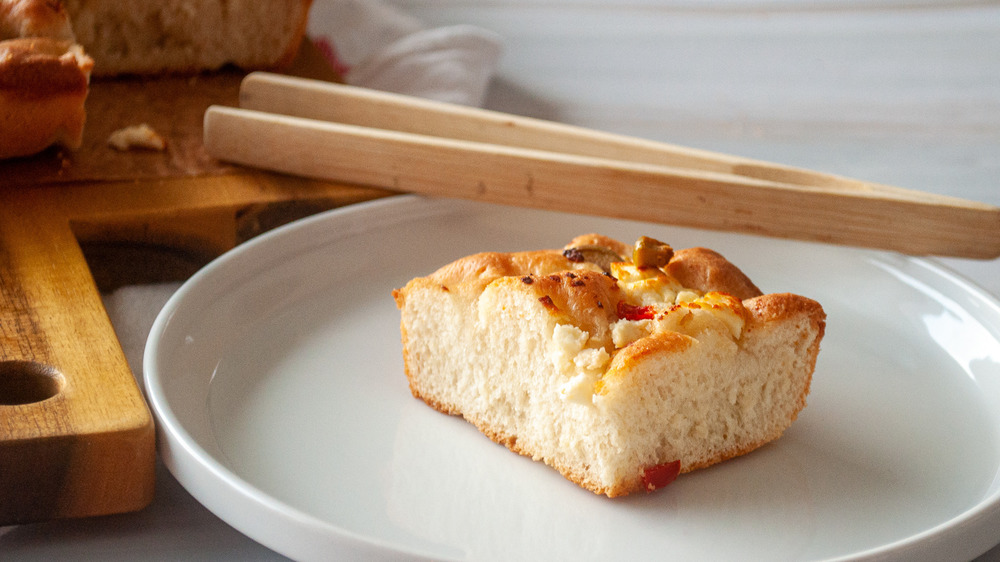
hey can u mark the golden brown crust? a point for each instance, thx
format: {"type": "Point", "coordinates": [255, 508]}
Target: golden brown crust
{"type": "Point", "coordinates": [38, 67]}
{"type": "Point", "coordinates": [777, 306]}
{"type": "Point", "coordinates": [731, 453]}
{"type": "Point", "coordinates": [592, 239]}
{"type": "Point", "coordinates": [479, 270]}
{"type": "Point", "coordinates": [627, 358]}
{"type": "Point", "coordinates": [449, 409]}
{"type": "Point", "coordinates": [43, 87]}
{"type": "Point", "coordinates": [707, 270]}
{"type": "Point", "coordinates": [44, 78]}
{"type": "Point", "coordinates": [586, 299]}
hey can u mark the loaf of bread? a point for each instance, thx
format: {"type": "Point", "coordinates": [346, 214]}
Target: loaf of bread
{"type": "Point", "coordinates": [619, 367]}
{"type": "Point", "coordinates": [50, 48]}
{"type": "Point", "coordinates": [43, 87]}
{"type": "Point", "coordinates": [44, 78]}
{"type": "Point", "coordinates": [148, 37]}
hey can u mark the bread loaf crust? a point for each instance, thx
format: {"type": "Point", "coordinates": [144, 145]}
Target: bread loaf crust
{"type": "Point", "coordinates": [707, 270]}
{"type": "Point", "coordinates": [36, 68]}
{"type": "Point", "coordinates": [43, 88]}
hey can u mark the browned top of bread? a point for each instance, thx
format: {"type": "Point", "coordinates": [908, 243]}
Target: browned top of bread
{"type": "Point", "coordinates": [481, 269]}
{"type": "Point", "coordinates": [39, 67]}
{"type": "Point", "coordinates": [698, 268]}
{"type": "Point", "coordinates": [592, 239]}
{"type": "Point", "coordinates": [580, 291]}
{"type": "Point", "coordinates": [707, 270]}
{"type": "Point", "coordinates": [34, 18]}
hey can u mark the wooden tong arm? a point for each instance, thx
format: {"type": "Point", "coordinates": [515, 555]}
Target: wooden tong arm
{"type": "Point", "coordinates": [360, 136]}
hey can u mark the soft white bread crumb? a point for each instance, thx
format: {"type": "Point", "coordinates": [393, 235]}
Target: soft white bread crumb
{"type": "Point", "coordinates": [610, 379]}
{"type": "Point", "coordinates": [136, 136]}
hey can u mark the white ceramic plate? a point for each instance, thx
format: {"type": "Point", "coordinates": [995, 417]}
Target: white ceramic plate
{"type": "Point", "coordinates": [276, 379]}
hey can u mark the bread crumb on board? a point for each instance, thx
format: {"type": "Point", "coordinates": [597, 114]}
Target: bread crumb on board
{"type": "Point", "coordinates": [136, 136]}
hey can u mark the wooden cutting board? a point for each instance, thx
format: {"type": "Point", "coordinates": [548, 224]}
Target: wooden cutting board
{"type": "Point", "coordinates": [76, 436]}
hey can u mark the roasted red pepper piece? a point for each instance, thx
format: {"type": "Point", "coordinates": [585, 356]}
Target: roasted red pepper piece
{"type": "Point", "coordinates": [628, 311]}
{"type": "Point", "coordinates": [656, 477]}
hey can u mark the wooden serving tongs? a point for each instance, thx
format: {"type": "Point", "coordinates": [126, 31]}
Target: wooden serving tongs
{"type": "Point", "coordinates": [359, 136]}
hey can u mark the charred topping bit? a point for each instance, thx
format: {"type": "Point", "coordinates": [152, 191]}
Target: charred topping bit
{"type": "Point", "coordinates": [445, 288]}
{"type": "Point", "coordinates": [650, 252]}
{"type": "Point", "coordinates": [598, 255]}
{"type": "Point", "coordinates": [527, 280]}
{"type": "Point", "coordinates": [547, 303]}
{"type": "Point", "coordinates": [573, 255]}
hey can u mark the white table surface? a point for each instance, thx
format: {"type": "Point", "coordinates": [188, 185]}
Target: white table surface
{"type": "Point", "coordinates": [902, 92]}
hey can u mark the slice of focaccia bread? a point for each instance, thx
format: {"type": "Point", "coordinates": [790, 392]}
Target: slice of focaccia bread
{"type": "Point", "coordinates": [620, 367]}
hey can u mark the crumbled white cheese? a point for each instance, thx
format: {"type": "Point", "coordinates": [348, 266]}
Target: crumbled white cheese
{"type": "Point", "coordinates": [624, 332]}
{"type": "Point", "coordinates": [686, 295]}
{"type": "Point", "coordinates": [646, 285]}
{"type": "Point", "coordinates": [568, 340]}
{"type": "Point", "coordinates": [719, 308]}
{"type": "Point", "coordinates": [592, 359]}
{"type": "Point", "coordinates": [580, 388]}
{"type": "Point", "coordinates": [584, 365]}
{"type": "Point", "coordinates": [671, 308]}
{"type": "Point", "coordinates": [691, 314]}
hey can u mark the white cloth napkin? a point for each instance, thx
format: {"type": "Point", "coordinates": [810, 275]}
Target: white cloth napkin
{"type": "Point", "coordinates": [371, 45]}
{"type": "Point", "coordinates": [377, 47]}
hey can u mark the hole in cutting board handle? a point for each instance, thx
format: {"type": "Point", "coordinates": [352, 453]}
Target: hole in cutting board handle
{"type": "Point", "coordinates": [27, 382]}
